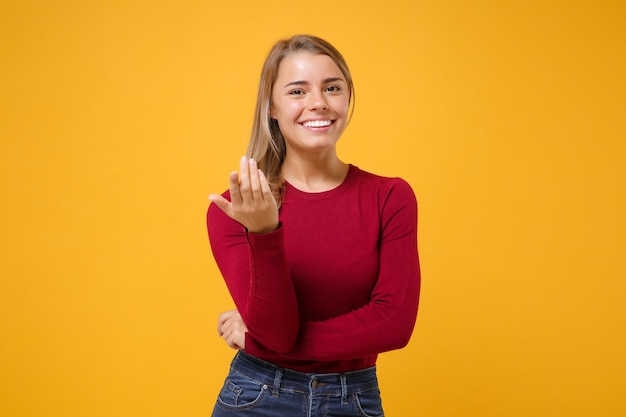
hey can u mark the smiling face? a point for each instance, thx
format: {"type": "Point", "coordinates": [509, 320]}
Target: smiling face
{"type": "Point", "coordinates": [310, 101]}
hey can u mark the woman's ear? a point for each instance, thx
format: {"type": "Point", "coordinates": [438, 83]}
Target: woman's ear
{"type": "Point", "coordinates": [270, 110]}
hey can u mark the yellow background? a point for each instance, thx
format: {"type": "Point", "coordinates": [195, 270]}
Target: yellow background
{"type": "Point", "coordinates": [118, 118]}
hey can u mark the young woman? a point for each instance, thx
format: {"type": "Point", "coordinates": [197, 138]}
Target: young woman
{"type": "Point", "coordinates": [319, 256]}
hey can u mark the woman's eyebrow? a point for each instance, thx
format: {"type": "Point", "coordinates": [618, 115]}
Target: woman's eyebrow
{"type": "Point", "coordinates": [296, 83]}
{"type": "Point", "coordinates": [302, 82]}
{"type": "Point", "coordinates": [333, 80]}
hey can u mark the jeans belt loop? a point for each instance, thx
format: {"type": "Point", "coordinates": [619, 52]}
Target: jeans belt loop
{"type": "Point", "coordinates": [277, 378]}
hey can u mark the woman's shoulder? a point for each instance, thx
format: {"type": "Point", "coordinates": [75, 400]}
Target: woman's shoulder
{"type": "Point", "coordinates": [391, 195]}
{"type": "Point", "coordinates": [382, 182]}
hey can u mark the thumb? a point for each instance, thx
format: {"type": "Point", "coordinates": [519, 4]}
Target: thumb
{"type": "Point", "coordinates": [220, 201]}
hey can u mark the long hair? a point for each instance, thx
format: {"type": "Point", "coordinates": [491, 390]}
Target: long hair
{"type": "Point", "coordinates": [267, 144]}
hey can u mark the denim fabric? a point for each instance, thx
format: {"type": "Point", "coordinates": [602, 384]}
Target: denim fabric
{"type": "Point", "coordinates": [255, 388]}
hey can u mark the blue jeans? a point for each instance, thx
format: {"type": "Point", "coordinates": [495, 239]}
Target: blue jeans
{"type": "Point", "coordinates": [256, 388]}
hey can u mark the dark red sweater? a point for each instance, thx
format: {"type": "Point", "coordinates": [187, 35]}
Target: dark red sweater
{"type": "Point", "coordinates": [337, 283]}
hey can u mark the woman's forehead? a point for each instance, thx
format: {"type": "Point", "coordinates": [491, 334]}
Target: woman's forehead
{"type": "Point", "coordinates": [309, 65]}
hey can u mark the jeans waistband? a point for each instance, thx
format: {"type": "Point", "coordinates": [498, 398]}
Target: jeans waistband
{"type": "Point", "coordinates": [341, 384]}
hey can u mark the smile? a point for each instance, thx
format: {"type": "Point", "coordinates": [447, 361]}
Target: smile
{"type": "Point", "coordinates": [317, 123]}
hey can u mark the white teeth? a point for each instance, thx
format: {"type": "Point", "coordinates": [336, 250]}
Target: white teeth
{"type": "Point", "coordinates": [317, 123]}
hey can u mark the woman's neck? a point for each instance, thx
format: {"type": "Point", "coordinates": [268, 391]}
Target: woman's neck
{"type": "Point", "coordinates": [314, 175]}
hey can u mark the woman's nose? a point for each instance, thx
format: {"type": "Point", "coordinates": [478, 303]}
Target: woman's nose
{"type": "Point", "coordinates": [318, 102]}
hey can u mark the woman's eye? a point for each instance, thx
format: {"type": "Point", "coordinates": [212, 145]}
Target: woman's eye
{"type": "Point", "coordinates": [296, 92]}
{"type": "Point", "coordinates": [333, 88]}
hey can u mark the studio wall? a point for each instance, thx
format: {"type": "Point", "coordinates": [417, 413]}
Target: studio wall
{"type": "Point", "coordinates": [119, 118]}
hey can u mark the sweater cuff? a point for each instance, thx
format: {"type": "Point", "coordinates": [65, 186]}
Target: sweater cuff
{"type": "Point", "coordinates": [259, 240]}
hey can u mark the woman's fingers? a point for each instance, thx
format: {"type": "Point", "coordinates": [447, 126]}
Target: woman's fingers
{"type": "Point", "coordinates": [234, 188]}
{"type": "Point", "coordinates": [232, 329]}
{"type": "Point", "coordinates": [235, 194]}
{"type": "Point", "coordinates": [244, 179]}
{"type": "Point", "coordinates": [265, 188]}
{"type": "Point", "coordinates": [223, 319]}
{"type": "Point", "coordinates": [252, 203]}
{"type": "Point", "coordinates": [245, 186]}
{"type": "Point", "coordinates": [249, 182]}
{"type": "Point", "coordinates": [255, 183]}
{"type": "Point", "coordinates": [233, 340]}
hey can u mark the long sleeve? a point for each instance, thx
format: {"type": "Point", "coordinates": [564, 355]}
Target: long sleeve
{"type": "Point", "coordinates": [387, 320]}
{"type": "Point", "coordinates": [256, 273]}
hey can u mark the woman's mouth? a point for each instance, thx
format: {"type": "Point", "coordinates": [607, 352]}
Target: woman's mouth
{"type": "Point", "coordinates": [317, 123]}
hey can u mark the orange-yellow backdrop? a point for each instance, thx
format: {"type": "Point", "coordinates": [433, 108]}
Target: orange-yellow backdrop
{"type": "Point", "coordinates": [118, 118]}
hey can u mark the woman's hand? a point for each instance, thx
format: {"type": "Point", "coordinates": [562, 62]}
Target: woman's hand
{"type": "Point", "coordinates": [252, 203]}
{"type": "Point", "coordinates": [232, 329]}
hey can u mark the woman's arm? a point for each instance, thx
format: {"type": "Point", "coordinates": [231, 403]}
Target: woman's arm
{"type": "Point", "coordinates": [387, 321]}
{"type": "Point", "coordinates": [253, 264]}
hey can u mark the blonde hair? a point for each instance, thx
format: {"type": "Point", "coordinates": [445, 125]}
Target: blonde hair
{"type": "Point", "coordinates": [267, 144]}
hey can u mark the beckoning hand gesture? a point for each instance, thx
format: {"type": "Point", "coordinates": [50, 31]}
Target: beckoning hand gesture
{"type": "Point", "coordinates": [252, 203]}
